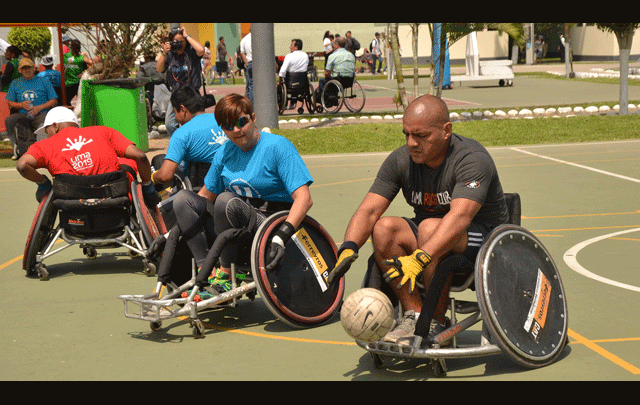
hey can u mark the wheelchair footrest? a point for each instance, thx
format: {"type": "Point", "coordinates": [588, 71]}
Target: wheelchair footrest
{"type": "Point", "coordinates": [150, 308]}
{"type": "Point", "coordinates": [409, 352]}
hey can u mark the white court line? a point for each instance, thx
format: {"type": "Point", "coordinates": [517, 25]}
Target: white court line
{"type": "Point", "coordinates": [577, 165]}
{"type": "Point", "coordinates": [571, 257]}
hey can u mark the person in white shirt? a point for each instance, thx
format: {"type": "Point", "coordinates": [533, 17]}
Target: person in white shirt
{"type": "Point", "coordinates": [246, 51]}
{"type": "Point", "coordinates": [296, 62]}
{"type": "Point", "coordinates": [377, 54]}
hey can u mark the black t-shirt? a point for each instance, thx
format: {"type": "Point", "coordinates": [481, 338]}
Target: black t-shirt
{"type": "Point", "coordinates": [468, 172]}
{"type": "Point", "coordinates": [184, 70]}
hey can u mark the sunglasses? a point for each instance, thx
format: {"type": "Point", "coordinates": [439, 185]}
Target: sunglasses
{"type": "Point", "coordinates": [242, 122]}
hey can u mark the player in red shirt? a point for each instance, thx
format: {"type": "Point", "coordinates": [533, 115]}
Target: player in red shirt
{"type": "Point", "coordinates": [81, 152]}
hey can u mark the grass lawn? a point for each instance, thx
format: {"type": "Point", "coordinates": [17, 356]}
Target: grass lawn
{"type": "Point", "coordinates": [388, 137]}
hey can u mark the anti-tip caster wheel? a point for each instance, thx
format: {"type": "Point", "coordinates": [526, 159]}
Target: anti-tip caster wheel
{"type": "Point", "coordinates": [378, 363]}
{"type": "Point", "coordinates": [91, 253]}
{"type": "Point", "coordinates": [439, 368]}
{"type": "Point", "coordinates": [198, 329]}
{"type": "Point", "coordinates": [43, 273]}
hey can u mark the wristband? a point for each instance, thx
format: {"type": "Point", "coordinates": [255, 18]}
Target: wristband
{"type": "Point", "coordinates": [349, 246]}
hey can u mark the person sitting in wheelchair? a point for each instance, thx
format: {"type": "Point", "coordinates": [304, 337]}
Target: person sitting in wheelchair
{"type": "Point", "coordinates": [453, 186]}
{"type": "Point", "coordinates": [77, 151]}
{"type": "Point", "coordinates": [251, 177]}
{"type": "Point", "coordinates": [195, 142]}
{"type": "Point", "coordinates": [296, 64]}
{"type": "Point", "coordinates": [341, 64]}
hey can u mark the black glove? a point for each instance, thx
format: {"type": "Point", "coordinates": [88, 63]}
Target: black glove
{"type": "Point", "coordinates": [347, 255]}
{"type": "Point", "coordinates": [277, 248]}
{"type": "Point", "coordinates": [151, 196]}
{"type": "Point", "coordinates": [44, 189]}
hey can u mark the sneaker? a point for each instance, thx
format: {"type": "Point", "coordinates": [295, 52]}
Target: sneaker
{"type": "Point", "coordinates": [405, 330]}
{"type": "Point", "coordinates": [435, 330]}
{"type": "Point", "coordinates": [221, 282]}
{"type": "Point", "coordinates": [203, 295]}
{"type": "Point", "coordinates": [206, 294]}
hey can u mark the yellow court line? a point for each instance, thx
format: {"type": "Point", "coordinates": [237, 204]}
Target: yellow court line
{"type": "Point", "coordinates": [604, 353]}
{"type": "Point", "coordinates": [273, 337]}
{"type": "Point", "coordinates": [584, 215]}
{"type": "Point", "coordinates": [7, 264]}
{"type": "Point", "coordinates": [586, 229]}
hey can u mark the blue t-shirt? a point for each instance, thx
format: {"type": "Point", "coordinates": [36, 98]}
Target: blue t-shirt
{"type": "Point", "coordinates": [272, 171]}
{"type": "Point", "coordinates": [196, 141]}
{"type": "Point", "coordinates": [37, 90]}
{"type": "Point", "coordinates": [53, 76]}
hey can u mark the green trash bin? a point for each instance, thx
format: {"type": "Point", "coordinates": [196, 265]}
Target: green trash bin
{"type": "Point", "coordinates": [119, 104]}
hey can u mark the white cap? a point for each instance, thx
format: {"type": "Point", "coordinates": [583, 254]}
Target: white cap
{"type": "Point", "coordinates": [57, 115]}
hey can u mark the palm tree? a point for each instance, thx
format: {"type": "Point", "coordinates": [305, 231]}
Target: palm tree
{"type": "Point", "coordinates": [624, 32]}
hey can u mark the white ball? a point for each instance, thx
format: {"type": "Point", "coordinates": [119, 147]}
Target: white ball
{"type": "Point", "coordinates": [368, 315]}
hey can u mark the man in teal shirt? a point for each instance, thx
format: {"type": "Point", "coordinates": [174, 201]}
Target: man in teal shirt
{"type": "Point", "coordinates": [341, 63]}
{"type": "Point", "coordinates": [32, 97]}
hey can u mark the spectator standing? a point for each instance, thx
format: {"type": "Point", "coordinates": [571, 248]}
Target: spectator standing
{"type": "Point", "coordinates": [181, 60]}
{"type": "Point", "coordinates": [328, 46]}
{"type": "Point", "coordinates": [52, 75]}
{"type": "Point", "coordinates": [75, 63]}
{"type": "Point", "coordinates": [247, 57]}
{"type": "Point", "coordinates": [352, 45]}
{"type": "Point", "coordinates": [376, 51]}
{"type": "Point", "coordinates": [11, 71]}
{"type": "Point", "coordinates": [221, 51]}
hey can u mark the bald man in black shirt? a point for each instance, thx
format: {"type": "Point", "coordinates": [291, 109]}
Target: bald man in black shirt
{"type": "Point", "coordinates": [453, 186]}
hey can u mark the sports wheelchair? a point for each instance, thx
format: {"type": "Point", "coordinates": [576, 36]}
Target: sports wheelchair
{"type": "Point", "coordinates": [342, 91]}
{"type": "Point", "coordinates": [95, 212]}
{"type": "Point", "coordinates": [521, 303]}
{"type": "Point", "coordinates": [296, 293]}
{"type": "Point", "coordinates": [296, 88]}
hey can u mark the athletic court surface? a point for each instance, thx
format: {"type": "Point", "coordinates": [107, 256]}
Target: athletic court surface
{"type": "Point", "coordinates": [581, 200]}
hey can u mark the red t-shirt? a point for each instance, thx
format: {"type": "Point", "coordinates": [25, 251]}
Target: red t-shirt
{"type": "Point", "coordinates": [81, 151]}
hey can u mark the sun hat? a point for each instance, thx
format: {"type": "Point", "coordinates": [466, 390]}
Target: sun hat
{"type": "Point", "coordinates": [57, 115]}
{"type": "Point", "coordinates": [24, 62]}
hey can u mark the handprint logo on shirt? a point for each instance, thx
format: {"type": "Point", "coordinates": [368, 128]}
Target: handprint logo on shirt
{"type": "Point", "coordinates": [77, 144]}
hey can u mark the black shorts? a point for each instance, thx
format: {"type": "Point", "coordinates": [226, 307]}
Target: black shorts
{"type": "Point", "coordinates": [477, 234]}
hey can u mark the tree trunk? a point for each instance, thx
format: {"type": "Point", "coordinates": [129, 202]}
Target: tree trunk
{"type": "Point", "coordinates": [416, 69]}
{"type": "Point", "coordinates": [395, 46]}
{"type": "Point", "coordinates": [626, 41]}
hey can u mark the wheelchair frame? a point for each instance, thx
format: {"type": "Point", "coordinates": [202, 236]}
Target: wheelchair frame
{"type": "Point", "coordinates": [285, 97]}
{"type": "Point", "coordinates": [136, 236]}
{"type": "Point", "coordinates": [345, 95]}
{"type": "Point", "coordinates": [155, 308]}
{"type": "Point", "coordinates": [495, 336]}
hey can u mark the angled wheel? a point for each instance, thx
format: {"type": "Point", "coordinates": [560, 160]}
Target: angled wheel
{"type": "Point", "coordinates": [40, 234]}
{"type": "Point", "coordinates": [522, 298]}
{"type": "Point", "coordinates": [297, 291]}
{"type": "Point", "coordinates": [333, 97]}
{"type": "Point", "coordinates": [355, 98]}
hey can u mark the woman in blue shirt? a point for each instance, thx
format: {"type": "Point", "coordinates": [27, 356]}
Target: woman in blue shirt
{"type": "Point", "coordinates": [255, 172]}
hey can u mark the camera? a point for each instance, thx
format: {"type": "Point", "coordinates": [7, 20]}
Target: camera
{"type": "Point", "coordinates": [176, 46]}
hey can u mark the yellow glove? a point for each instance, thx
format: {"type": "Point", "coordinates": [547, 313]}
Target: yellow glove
{"type": "Point", "coordinates": [409, 268]}
{"type": "Point", "coordinates": [348, 256]}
